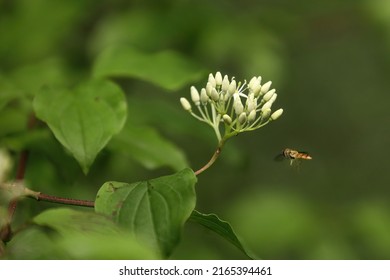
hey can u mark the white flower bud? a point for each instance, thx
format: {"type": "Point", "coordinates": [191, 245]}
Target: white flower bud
{"type": "Point", "coordinates": [227, 119]}
{"type": "Point", "coordinates": [203, 96]}
{"type": "Point", "coordinates": [209, 88]}
{"type": "Point", "coordinates": [251, 102]}
{"type": "Point", "coordinates": [266, 106]}
{"type": "Point", "coordinates": [256, 90]}
{"type": "Point", "coordinates": [252, 116]}
{"type": "Point", "coordinates": [275, 115]}
{"type": "Point", "coordinates": [195, 96]}
{"type": "Point", "coordinates": [225, 83]}
{"type": "Point", "coordinates": [265, 87]}
{"type": "Point", "coordinates": [211, 80]}
{"type": "Point", "coordinates": [265, 113]}
{"type": "Point", "coordinates": [185, 103]}
{"type": "Point", "coordinates": [273, 98]}
{"type": "Point", "coordinates": [232, 87]}
{"type": "Point", "coordinates": [218, 78]}
{"type": "Point", "coordinates": [237, 104]}
{"type": "Point", "coordinates": [242, 118]}
{"type": "Point", "coordinates": [252, 82]}
{"type": "Point", "coordinates": [268, 95]}
{"type": "Point", "coordinates": [214, 95]}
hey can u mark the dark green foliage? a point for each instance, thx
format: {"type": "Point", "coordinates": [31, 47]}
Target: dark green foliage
{"type": "Point", "coordinates": [103, 79]}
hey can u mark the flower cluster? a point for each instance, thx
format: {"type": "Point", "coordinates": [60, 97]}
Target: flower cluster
{"type": "Point", "coordinates": [239, 107]}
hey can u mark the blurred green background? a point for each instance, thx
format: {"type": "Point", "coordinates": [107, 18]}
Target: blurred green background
{"type": "Point", "coordinates": [330, 63]}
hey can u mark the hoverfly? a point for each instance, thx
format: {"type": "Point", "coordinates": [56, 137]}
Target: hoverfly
{"type": "Point", "coordinates": [292, 155]}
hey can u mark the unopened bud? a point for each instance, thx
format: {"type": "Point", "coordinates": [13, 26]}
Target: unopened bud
{"type": "Point", "coordinates": [265, 87]}
{"type": "Point", "coordinates": [251, 102]}
{"type": "Point", "coordinates": [253, 83]}
{"type": "Point", "coordinates": [265, 113]}
{"type": "Point", "coordinates": [273, 98]}
{"type": "Point", "coordinates": [203, 96]}
{"type": "Point", "coordinates": [256, 90]}
{"type": "Point", "coordinates": [195, 96]}
{"type": "Point", "coordinates": [275, 115]}
{"type": "Point", "coordinates": [218, 78]}
{"type": "Point", "coordinates": [214, 95]}
{"type": "Point", "coordinates": [225, 83]}
{"type": "Point", "coordinates": [185, 103]}
{"type": "Point", "coordinates": [252, 116]}
{"type": "Point", "coordinates": [232, 87]}
{"type": "Point", "coordinates": [242, 118]}
{"type": "Point", "coordinates": [266, 106]}
{"type": "Point", "coordinates": [268, 95]}
{"type": "Point", "coordinates": [237, 105]}
{"type": "Point", "coordinates": [227, 119]}
{"type": "Point", "coordinates": [209, 88]}
{"type": "Point", "coordinates": [211, 80]}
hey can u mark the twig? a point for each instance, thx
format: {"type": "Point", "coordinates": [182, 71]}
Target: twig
{"type": "Point", "coordinates": [63, 200]}
{"type": "Point", "coordinates": [213, 158]}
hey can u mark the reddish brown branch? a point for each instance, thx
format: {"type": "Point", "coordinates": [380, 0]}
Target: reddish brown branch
{"type": "Point", "coordinates": [21, 169]}
{"type": "Point", "coordinates": [63, 200]}
{"type": "Point", "coordinates": [213, 158]}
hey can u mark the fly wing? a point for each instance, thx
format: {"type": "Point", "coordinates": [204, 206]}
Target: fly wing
{"type": "Point", "coordinates": [280, 157]}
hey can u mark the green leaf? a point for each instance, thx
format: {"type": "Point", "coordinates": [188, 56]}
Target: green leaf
{"type": "Point", "coordinates": [83, 119]}
{"type": "Point", "coordinates": [154, 210]}
{"type": "Point", "coordinates": [68, 221]}
{"type": "Point", "coordinates": [147, 146]}
{"type": "Point", "coordinates": [88, 235]}
{"type": "Point", "coordinates": [221, 227]}
{"type": "Point", "coordinates": [167, 69]}
{"type": "Point", "coordinates": [69, 234]}
{"type": "Point", "coordinates": [34, 242]}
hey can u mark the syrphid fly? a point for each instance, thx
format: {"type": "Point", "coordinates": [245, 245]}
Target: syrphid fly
{"type": "Point", "coordinates": [293, 155]}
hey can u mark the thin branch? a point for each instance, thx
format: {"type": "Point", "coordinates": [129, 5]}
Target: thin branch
{"type": "Point", "coordinates": [63, 200]}
{"type": "Point", "coordinates": [213, 158]}
{"type": "Point", "coordinates": [21, 169]}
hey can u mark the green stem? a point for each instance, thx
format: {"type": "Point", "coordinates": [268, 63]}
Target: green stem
{"type": "Point", "coordinates": [213, 158]}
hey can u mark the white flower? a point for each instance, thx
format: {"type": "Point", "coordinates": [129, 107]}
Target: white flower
{"type": "Point", "coordinates": [221, 102]}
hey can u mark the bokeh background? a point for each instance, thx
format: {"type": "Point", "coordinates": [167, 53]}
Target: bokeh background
{"type": "Point", "coordinates": [330, 63]}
